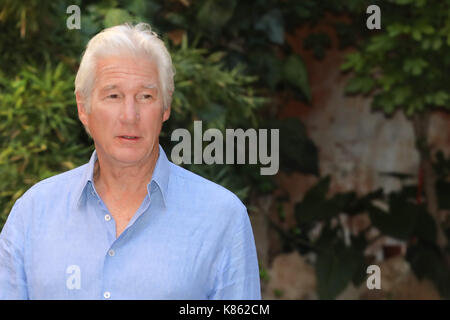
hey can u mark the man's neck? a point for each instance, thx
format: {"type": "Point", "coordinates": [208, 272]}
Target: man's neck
{"type": "Point", "coordinates": [123, 181]}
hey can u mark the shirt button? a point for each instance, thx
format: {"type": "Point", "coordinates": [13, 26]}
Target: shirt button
{"type": "Point", "coordinates": [107, 295]}
{"type": "Point", "coordinates": [111, 253]}
{"type": "Point", "coordinates": [107, 217]}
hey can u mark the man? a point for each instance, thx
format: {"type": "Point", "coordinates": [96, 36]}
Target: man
{"type": "Point", "coordinates": [129, 224]}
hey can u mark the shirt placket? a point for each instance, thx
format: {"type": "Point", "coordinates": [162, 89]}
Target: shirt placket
{"type": "Point", "coordinates": [113, 252]}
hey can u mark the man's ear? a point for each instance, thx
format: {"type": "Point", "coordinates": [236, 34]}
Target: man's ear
{"type": "Point", "coordinates": [81, 106]}
{"type": "Point", "coordinates": [166, 114]}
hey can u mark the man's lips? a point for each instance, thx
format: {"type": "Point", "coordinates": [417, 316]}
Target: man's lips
{"type": "Point", "coordinates": [128, 137]}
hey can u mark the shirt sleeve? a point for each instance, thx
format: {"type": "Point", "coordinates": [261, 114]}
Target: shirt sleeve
{"type": "Point", "coordinates": [13, 285]}
{"type": "Point", "coordinates": [238, 278]}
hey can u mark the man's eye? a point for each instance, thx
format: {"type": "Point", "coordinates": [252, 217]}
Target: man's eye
{"type": "Point", "coordinates": [113, 96]}
{"type": "Point", "coordinates": [146, 96]}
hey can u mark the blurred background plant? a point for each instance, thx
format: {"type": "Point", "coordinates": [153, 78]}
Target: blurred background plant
{"type": "Point", "coordinates": [404, 68]}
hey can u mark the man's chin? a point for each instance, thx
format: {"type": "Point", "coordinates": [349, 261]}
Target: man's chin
{"type": "Point", "coordinates": [130, 158]}
{"type": "Point", "coordinates": [126, 156]}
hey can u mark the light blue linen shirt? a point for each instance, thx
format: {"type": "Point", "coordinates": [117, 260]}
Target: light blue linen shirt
{"type": "Point", "coordinates": [190, 239]}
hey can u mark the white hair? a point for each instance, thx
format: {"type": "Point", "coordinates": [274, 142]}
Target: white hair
{"type": "Point", "coordinates": [130, 40]}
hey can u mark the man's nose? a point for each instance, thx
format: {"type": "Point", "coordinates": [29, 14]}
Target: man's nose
{"type": "Point", "coordinates": [130, 110]}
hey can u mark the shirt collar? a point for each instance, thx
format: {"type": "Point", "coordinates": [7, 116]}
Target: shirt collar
{"type": "Point", "coordinates": [160, 176]}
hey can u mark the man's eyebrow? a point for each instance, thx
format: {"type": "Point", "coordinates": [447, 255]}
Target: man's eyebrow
{"type": "Point", "coordinates": [113, 86]}
{"type": "Point", "coordinates": [149, 86]}
{"type": "Point", "coordinates": [109, 87]}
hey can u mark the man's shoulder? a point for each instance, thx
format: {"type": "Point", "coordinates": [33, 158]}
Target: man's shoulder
{"type": "Point", "coordinates": [202, 188]}
{"type": "Point", "coordinates": [56, 185]}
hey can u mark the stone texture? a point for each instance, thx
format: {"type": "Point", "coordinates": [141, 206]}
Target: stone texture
{"type": "Point", "coordinates": [398, 282]}
{"type": "Point", "coordinates": [291, 278]}
{"type": "Point", "coordinates": [355, 145]}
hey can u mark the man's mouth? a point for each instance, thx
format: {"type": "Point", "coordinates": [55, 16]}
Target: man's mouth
{"type": "Point", "coordinates": [131, 138]}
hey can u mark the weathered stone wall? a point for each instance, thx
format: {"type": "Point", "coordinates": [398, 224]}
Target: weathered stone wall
{"type": "Point", "coordinates": [355, 145]}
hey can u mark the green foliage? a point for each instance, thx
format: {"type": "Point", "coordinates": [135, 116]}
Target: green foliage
{"type": "Point", "coordinates": [314, 207]}
{"type": "Point", "coordinates": [39, 134]}
{"type": "Point", "coordinates": [252, 33]}
{"type": "Point", "coordinates": [295, 73]}
{"type": "Point", "coordinates": [271, 23]}
{"type": "Point", "coordinates": [318, 42]}
{"type": "Point", "coordinates": [340, 257]}
{"type": "Point", "coordinates": [404, 219]}
{"type": "Point", "coordinates": [263, 273]}
{"type": "Point", "coordinates": [221, 98]}
{"type": "Point", "coordinates": [207, 91]}
{"type": "Point", "coordinates": [428, 262]}
{"type": "Point", "coordinates": [116, 16]}
{"type": "Point", "coordinates": [26, 15]}
{"type": "Point", "coordinates": [337, 265]}
{"type": "Point", "coordinates": [44, 35]}
{"type": "Point", "coordinates": [215, 14]}
{"type": "Point", "coordinates": [405, 65]}
{"type": "Point", "coordinates": [294, 141]}
{"type": "Point", "coordinates": [339, 261]}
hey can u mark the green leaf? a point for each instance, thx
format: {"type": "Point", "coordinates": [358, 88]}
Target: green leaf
{"type": "Point", "coordinates": [394, 29]}
{"type": "Point", "coordinates": [360, 85]}
{"type": "Point", "coordinates": [425, 227]}
{"type": "Point", "coordinates": [297, 151]}
{"type": "Point", "coordinates": [318, 42]}
{"type": "Point", "coordinates": [427, 262]}
{"type": "Point", "coordinates": [270, 65]}
{"type": "Point", "coordinates": [359, 244]}
{"type": "Point", "coordinates": [437, 43]}
{"type": "Point", "coordinates": [315, 206]}
{"type": "Point", "coordinates": [441, 98]}
{"type": "Point", "coordinates": [354, 61]}
{"type": "Point", "coordinates": [335, 268]}
{"type": "Point", "coordinates": [272, 24]}
{"type": "Point", "coordinates": [116, 16]}
{"type": "Point", "coordinates": [400, 221]}
{"type": "Point", "coordinates": [417, 35]}
{"type": "Point", "coordinates": [404, 2]}
{"type": "Point", "coordinates": [414, 66]}
{"type": "Point", "coordinates": [214, 14]}
{"type": "Point", "coordinates": [443, 190]}
{"type": "Point", "coordinates": [295, 73]}
{"type": "Point", "coordinates": [381, 43]}
{"type": "Point", "coordinates": [140, 7]}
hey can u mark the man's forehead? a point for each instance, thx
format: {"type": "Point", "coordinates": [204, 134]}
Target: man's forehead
{"type": "Point", "coordinates": [126, 65]}
{"type": "Point", "coordinates": [114, 72]}
{"type": "Point", "coordinates": [110, 61]}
